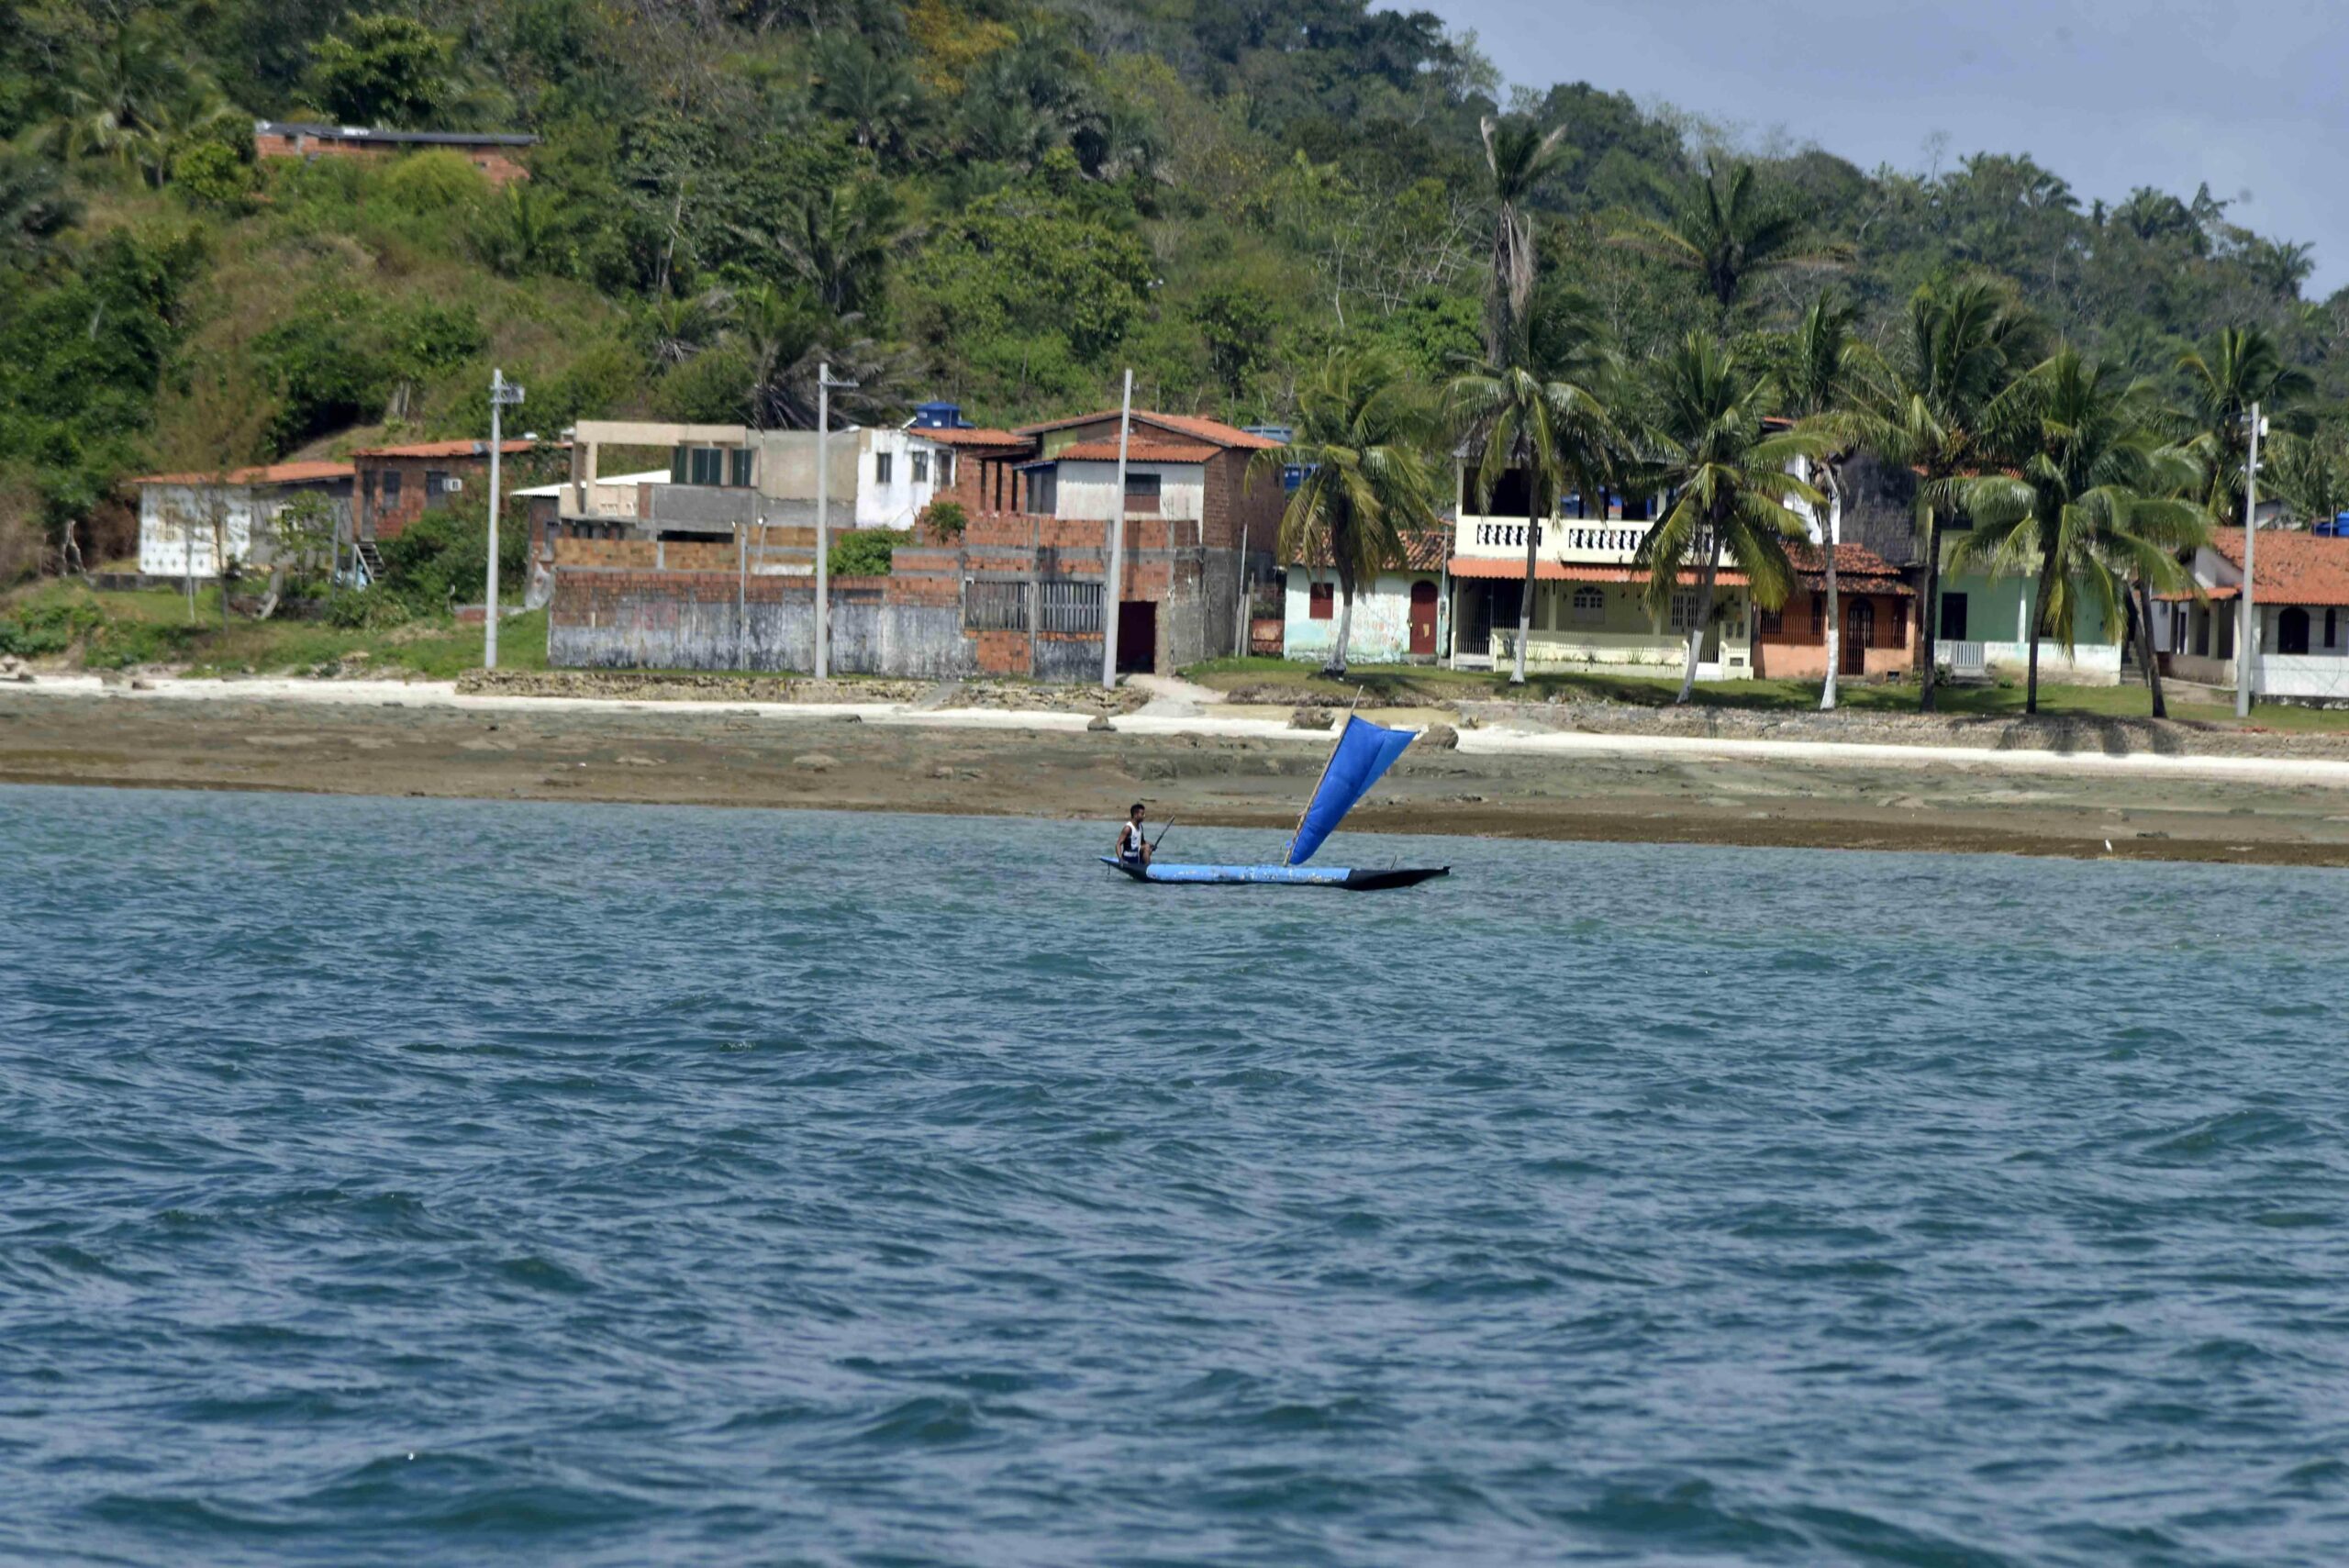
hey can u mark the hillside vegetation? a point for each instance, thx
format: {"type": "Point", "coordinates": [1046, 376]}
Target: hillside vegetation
{"type": "Point", "coordinates": [992, 201]}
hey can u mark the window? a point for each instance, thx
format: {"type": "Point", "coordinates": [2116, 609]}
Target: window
{"type": "Point", "coordinates": [1900, 624]}
{"type": "Point", "coordinates": [1321, 599]}
{"type": "Point", "coordinates": [921, 468]}
{"type": "Point", "coordinates": [710, 465]}
{"type": "Point", "coordinates": [1954, 617]}
{"type": "Point", "coordinates": [1818, 614]}
{"type": "Point", "coordinates": [884, 465]}
{"type": "Point", "coordinates": [945, 470]}
{"type": "Point", "coordinates": [2202, 636]}
{"type": "Point", "coordinates": [1045, 491]}
{"type": "Point", "coordinates": [390, 489]}
{"type": "Point", "coordinates": [1142, 492]}
{"type": "Point", "coordinates": [1589, 605]}
{"type": "Point", "coordinates": [2329, 629]}
{"type": "Point", "coordinates": [2292, 630]}
{"type": "Point", "coordinates": [1773, 622]}
{"type": "Point", "coordinates": [436, 486]}
{"type": "Point", "coordinates": [1684, 611]}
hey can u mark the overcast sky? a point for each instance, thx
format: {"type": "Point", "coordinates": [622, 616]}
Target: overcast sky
{"type": "Point", "coordinates": [2111, 95]}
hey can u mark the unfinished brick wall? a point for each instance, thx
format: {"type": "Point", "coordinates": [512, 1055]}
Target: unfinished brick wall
{"type": "Point", "coordinates": [497, 164]}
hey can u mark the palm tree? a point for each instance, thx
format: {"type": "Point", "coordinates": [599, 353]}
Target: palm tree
{"type": "Point", "coordinates": [1728, 480]}
{"type": "Point", "coordinates": [876, 95]}
{"type": "Point", "coordinates": [1517, 154]}
{"type": "Point", "coordinates": [1536, 411]}
{"type": "Point", "coordinates": [1923, 407]}
{"type": "Point", "coordinates": [1819, 387]}
{"type": "Point", "coordinates": [788, 338]}
{"type": "Point", "coordinates": [2090, 504]}
{"type": "Point", "coordinates": [2238, 368]}
{"type": "Point", "coordinates": [2310, 475]}
{"type": "Point", "coordinates": [1728, 233]}
{"type": "Point", "coordinates": [1361, 438]}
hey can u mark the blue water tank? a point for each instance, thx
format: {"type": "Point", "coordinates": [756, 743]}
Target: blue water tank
{"type": "Point", "coordinates": [940, 416]}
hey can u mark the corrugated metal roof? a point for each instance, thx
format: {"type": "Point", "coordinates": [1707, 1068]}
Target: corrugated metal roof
{"type": "Point", "coordinates": [406, 137]}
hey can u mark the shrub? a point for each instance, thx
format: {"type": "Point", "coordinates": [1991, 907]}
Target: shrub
{"type": "Point", "coordinates": [428, 183]}
{"type": "Point", "coordinates": [865, 552]}
{"type": "Point", "coordinates": [210, 173]}
{"type": "Point", "coordinates": [359, 609]}
{"type": "Point", "coordinates": [945, 520]}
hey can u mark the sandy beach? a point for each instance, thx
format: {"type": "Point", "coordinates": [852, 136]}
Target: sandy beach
{"type": "Point", "coordinates": [1232, 767]}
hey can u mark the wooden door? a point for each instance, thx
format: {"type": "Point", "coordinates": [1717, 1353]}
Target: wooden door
{"type": "Point", "coordinates": [1859, 630]}
{"type": "Point", "coordinates": [1424, 616]}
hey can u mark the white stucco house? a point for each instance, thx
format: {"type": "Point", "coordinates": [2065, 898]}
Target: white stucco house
{"type": "Point", "coordinates": [900, 472]}
{"type": "Point", "coordinates": [186, 521]}
{"type": "Point", "coordinates": [1399, 616]}
{"type": "Point", "coordinates": [2301, 599]}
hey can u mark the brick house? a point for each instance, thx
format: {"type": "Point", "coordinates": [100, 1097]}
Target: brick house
{"type": "Point", "coordinates": [397, 484]}
{"type": "Point", "coordinates": [1021, 589]}
{"type": "Point", "coordinates": [497, 154]}
{"type": "Point", "coordinates": [1879, 606]}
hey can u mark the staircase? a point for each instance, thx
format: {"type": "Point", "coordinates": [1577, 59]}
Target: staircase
{"type": "Point", "coordinates": [373, 560]}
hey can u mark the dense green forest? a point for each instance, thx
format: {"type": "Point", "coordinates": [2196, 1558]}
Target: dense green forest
{"type": "Point", "coordinates": [998, 202]}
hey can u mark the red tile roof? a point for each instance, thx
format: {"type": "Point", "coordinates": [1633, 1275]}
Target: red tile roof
{"type": "Point", "coordinates": [271, 474]}
{"type": "Point", "coordinates": [2294, 568]}
{"type": "Point", "coordinates": [1138, 451]}
{"type": "Point", "coordinates": [1513, 571]}
{"type": "Point", "coordinates": [1213, 431]}
{"type": "Point", "coordinates": [1857, 568]}
{"type": "Point", "coordinates": [449, 449]}
{"type": "Point", "coordinates": [1423, 551]}
{"type": "Point", "coordinates": [958, 436]}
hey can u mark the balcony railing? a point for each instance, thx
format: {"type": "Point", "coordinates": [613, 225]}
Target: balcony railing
{"type": "Point", "coordinates": [1613, 542]}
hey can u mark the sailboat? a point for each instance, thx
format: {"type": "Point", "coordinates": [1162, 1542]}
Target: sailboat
{"type": "Point", "coordinates": [1364, 750]}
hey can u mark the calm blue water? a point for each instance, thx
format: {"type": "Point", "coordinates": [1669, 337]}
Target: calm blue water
{"type": "Point", "coordinates": [393, 1181]}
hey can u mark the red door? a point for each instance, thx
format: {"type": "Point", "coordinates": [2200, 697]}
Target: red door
{"type": "Point", "coordinates": [1424, 616]}
{"type": "Point", "coordinates": [1859, 630]}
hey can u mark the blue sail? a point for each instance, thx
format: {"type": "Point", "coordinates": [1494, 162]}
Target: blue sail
{"type": "Point", "coordinates": [1365, 752]}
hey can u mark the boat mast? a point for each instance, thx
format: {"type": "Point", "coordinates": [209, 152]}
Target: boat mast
{"type": "Point", "coordinates": [1309, 799]}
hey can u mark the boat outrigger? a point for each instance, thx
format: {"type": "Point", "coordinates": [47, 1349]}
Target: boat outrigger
{"type": "Point", "coordinates": [1364, 751]}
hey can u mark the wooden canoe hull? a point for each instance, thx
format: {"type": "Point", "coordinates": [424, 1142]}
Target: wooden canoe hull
{"type": "Point", "coordinates": [1355, 878]}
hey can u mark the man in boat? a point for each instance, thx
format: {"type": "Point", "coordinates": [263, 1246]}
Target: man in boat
{"type": "Point", "coordinates": [1133, 844]}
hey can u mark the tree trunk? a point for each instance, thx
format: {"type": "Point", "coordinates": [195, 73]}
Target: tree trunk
{"type": "Point", "coordinates": [1703, 620]}
{"type": "Point", "coordinates": [1929, 614]}
{"type": "Point", "coordinates": [2038, 628]}
{"type": "Point", "coordinates": [1834, 602]}
{"type": "Point", "coordinates": [1525, 600]}
{"type": "Point", "coordinates": [2145, 645]}
{"type": "Point", "coordinates": [1345, 628]}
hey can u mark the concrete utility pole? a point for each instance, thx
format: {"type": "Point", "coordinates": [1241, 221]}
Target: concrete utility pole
{"type": "Point", "coordinates": [1113, 585]}
{"type": "Point", "coordinates": [824, 385]}
{"type": "Point", "coordinates": [2248, 618]}
{"type": "Point", "coordinates": [501, 393]}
